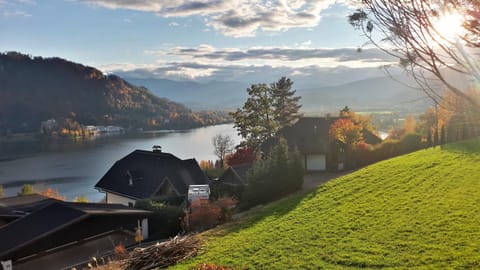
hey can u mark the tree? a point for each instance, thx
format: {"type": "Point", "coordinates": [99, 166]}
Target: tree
{"type": "Point", "coordinates": [223, 145]}
{"type": "Point", "coordinates": [286, 107]}
{"type": "Point", "coordinates": [279, 173]}
{"type": "Point", "coordinates": [52, 193]}
{"type": "Point", "coordinates": [410, 124]}
{"type": "Point", "coordinates": [345, 131]}
{"type": "Point", "coordinates": [267, 110]}
{"type": "Point", "coordinates": [81, 199]}
{"type": "Point", "coordinates": [2, 193]}
{"type": "Point", "coordinates": [443, 136]}
{"type": "Point", "coordinates": [242, 155]}
{"type": "Point", "coordinates": [27, 189]}
{"type": "Point", "coordinates": [415, 32]}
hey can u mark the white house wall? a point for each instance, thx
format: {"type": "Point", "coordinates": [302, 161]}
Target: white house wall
{"type": "Point", "coordinates": [114, 198]}
{"type": "Point", "coordinates": [316, 162]}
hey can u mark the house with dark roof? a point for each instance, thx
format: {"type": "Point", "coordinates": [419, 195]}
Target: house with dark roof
{"type": "Point", "coordinates": [233, 180]}
{"type": "Point", "coordinates": [310, 136]}
{"type": "Point", "coordinates": [150, 175]}
{"type": "Point", "coordinates": [51, 234]}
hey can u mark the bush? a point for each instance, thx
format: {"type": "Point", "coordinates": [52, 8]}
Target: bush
{"type": "Point", "coordinates": [411, 142]}
{"type": "Point", "coordinates": [279, 173]}
{"type": "Point", "coordinates": [204, 214]}
{"type": "Point", "coordinates": [166, 219]}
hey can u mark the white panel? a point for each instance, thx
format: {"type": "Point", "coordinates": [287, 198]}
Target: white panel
{"type": "Point", "coordinates": [316, 162]}
{"type": "Point", "coordinates": [113, 198]}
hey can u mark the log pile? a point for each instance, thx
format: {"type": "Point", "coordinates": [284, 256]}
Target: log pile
{"type": "Point", "coordinates": [163, 254]}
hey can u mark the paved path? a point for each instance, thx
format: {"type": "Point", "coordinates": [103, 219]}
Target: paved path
{"type": "Point", "coordinates": [313, 180]}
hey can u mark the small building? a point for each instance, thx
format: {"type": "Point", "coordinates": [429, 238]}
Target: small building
{"type": "Point", "coordinates": [310, 135]}
{"type": "Point", "coordinates": [150, 175]}
{"type": "Point", "coordinates": [51, 234]}
{"type": "Point", "coordinates": [233, 181]}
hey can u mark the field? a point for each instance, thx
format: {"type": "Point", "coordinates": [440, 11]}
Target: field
{"type": "Point", "coordinates": [421, 211]}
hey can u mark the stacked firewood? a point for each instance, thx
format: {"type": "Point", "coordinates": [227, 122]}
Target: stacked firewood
{"type": "Point", "coordinates": [163, 254]}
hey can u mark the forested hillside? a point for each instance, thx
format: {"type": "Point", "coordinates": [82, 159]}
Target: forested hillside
{"type": "Point", "coordinates": [34, 89]}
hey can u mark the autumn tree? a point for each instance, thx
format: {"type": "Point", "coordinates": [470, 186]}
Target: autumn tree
{"type": "Point", "coordinates": [346, 131]}
{"type": "Point", "coordinates": [81, 199]}
{"type": "Point", "coordinates": [267, 110]}
{"type": "Point", "coordinates": [431, 39]}
{"type": "Point", "coordinates": [26, 189]}
{"type": "Point", "coordinates": [222, 145]}
{"type": "Point", "coordinates": [52, 193]}
{"type": "Point", "coordinates": [242, 155]}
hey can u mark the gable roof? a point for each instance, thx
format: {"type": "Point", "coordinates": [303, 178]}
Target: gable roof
{"type": "Point", "coordinates": [141, 173]}
{"type": "Point", "coordinates": [18, 206]}
{"type": "Point", "coordinates": [236, 175]}
{"type": "Point", "coordinates": [53, 217]}
{"type": "Point", "coordinates": [309, 134]}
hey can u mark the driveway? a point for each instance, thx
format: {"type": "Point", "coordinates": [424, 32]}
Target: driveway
{"type": "Point", "coordinates": [314, 179]}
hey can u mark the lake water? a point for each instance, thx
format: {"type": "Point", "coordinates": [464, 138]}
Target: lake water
{"type": "Point", "coordinates": [73, 168]}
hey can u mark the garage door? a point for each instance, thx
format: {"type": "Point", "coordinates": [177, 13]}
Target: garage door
{"type": "Point", "coordinates": [316, 163]}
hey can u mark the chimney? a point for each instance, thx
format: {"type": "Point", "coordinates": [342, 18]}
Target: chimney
{"type": "Point", "coordinates": [157, 149]}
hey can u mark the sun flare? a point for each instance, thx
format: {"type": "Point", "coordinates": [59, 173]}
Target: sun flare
{"type": "Point", "coordinates": [449, 26]}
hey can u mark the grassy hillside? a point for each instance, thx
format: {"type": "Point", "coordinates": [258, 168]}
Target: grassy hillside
{"type": "Point", "coordinates": [416, 211]}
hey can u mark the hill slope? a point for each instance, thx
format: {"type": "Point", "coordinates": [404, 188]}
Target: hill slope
{"type": "Point", "coordinates": [412, 212]}
{"type": "Point", "coordinates": [34, 89]}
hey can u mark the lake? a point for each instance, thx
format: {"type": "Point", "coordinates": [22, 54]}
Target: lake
{"type": "Point", "coordinates": [74, 167]}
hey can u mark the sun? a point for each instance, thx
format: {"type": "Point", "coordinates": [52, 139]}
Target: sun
{"type": "Point", "coordinates": [449, 27]}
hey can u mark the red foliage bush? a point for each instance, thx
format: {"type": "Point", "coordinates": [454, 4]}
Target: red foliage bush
{"type": "Point", "coordinates": [204, 214]}
{"type": "Point", "coordinates": [243, 155]}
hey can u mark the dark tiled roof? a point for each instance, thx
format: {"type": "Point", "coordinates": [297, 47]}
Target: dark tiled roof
{"type": "Point", "coordinates": [371, 138]}
{"type": "Point", "coordinates": [309, 134]}
{"type": "Point", "coordinates": [33, 226]}
{"type": "Point", "coordinates": [20, 205]}
{"type": "Point", "coordinates": [150, 169]}
{"type": "Point", "coordinates": [235, 175]}
{"type": "Point", "coordinates": [53, 217]}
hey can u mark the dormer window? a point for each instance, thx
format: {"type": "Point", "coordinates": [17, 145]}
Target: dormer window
{"type": "Point", "coordinates": [130, 178]}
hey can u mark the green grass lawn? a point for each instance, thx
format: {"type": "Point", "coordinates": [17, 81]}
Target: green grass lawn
{"type": "Point", "coordinates": [418, 211]}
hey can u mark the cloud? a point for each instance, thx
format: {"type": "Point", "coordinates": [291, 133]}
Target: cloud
{"type": "Point", "coordinates": [211, 63]}
{"type": "Point", "coordinates": [233, 18]}
{"type": "Point", "coordinates": [173, 24]}
{"type": "Point", "coordinates": [279, 55]}
{"type": "Point", "coordinates": [16, 13]}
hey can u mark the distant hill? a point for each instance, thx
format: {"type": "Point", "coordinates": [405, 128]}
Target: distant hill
{"type": "Point", "coordinates": [380, 93]}
{"type": "Point", "coordinates": [211, 95]}
{"type": "Point", "coordinates": [377, 93]}
{"type": "Point", "coordinates": [34, 89]}
{"type": "Point", "coordinates": [417, 211]}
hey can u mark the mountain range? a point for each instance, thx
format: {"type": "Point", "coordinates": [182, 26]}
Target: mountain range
{"type": "Point", "coordinates": [375, 93]}
{"type": "Point", "coordinates": [34, 89]}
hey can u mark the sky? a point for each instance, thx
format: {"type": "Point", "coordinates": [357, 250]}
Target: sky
{"type": "Point", "coordinates": [199, 40]}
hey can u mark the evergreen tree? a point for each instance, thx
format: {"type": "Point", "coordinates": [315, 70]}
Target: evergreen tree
{"type": "Point", "coordinates": [429, 139]}
{"type": "Point", "coordinates": [285, 103]}
{"type": "Point", "coordinates": [443, 135]}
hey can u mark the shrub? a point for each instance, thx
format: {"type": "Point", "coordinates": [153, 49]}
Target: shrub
{"type": "Point", "coordinates": [204, 214]}
{"type": "Point", "coordinates": [279, 173]}
{"type": "Point", "coordinates": [165, 221]}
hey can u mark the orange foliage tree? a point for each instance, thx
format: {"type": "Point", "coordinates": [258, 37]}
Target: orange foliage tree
{"type": "Point", "coordinates": [52, 193]}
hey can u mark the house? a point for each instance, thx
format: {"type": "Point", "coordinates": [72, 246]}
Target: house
{"type": "Point", "coordinates": [310, 136]}
{"type": "Point", "coordinates": [51, 234]}
{"type": "Point", "coordinates": [233, 180]}
{"type": "Point", "coordinates": [150, 175]}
